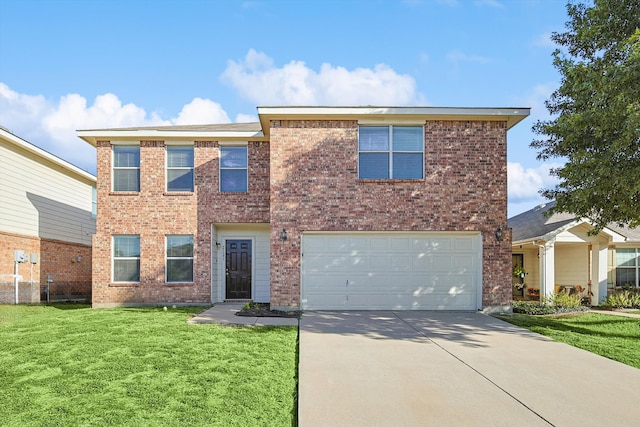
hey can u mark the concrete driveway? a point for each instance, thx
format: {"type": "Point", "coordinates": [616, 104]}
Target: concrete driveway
{"type": "Point", "coordinates": [410, 368]}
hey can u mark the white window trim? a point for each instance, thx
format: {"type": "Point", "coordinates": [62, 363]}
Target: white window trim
{"type": "Point", "coordinates": [114, 167]}
{"type": "Point", "coordinates": [113, 258]}
{"type": "Point", "coordinates": [166, 169]}
{"type": "Point", "coordinates": [220, 168]}
{"type": "Point", "coordinates": [391, 151]}
{"type": "Point", "coordinates": [167, 258]}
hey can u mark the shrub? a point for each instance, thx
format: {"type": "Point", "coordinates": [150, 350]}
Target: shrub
{"type": "Point", "coordinates": [560, 303]}
{"type": "Point", "coordinates": [623, 299]}
{"type": "Point", "coordinates": [564, 300]}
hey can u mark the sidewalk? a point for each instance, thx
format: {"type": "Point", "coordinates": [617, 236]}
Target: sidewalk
{"type": "Point", "coordinates": [617, 313]}
{"type": "Point", "coordinates": [225, 314]}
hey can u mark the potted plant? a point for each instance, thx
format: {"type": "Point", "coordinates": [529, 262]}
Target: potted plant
{"type": "Point", "coordinates": [519, 272]}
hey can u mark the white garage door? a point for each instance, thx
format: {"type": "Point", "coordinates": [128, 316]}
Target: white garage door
{"type": "Point", "coordinates": [391, 271]}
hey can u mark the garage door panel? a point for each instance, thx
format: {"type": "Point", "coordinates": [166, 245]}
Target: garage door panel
{"type": "Point", "coordinates": [328, 300]}
{"type": "Point", "coordinates": [364, 270]}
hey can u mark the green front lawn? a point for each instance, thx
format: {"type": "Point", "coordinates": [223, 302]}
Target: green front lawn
{"type": "Point", "coordinates": [70, 365]}
{"type": "Point", "coordinates": [614, 337]}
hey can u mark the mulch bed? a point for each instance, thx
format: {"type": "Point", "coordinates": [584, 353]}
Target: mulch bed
{"type": "Point", "coordinates": [263, 310]}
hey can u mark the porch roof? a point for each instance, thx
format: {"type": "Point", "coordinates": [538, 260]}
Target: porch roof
{"type": "Point", "coordinates": [534, 224]}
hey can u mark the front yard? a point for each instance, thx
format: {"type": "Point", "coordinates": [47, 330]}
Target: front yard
{"type": "Point", "coordinates": [71, 365]}
{"type": "Point", "coordinates": [614, 337]}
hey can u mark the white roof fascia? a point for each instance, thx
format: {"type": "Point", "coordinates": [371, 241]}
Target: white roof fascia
{"type": "Point", "coordinates": [511, 115]}
{"type": "Point", "coordinates": [616, 237]}
{"type": "Point", "coordinates": [46, 155]}
{"type": "Point", "coordinates": [92, 136]}
{"type": "Point", "coordinates": [528, 241]}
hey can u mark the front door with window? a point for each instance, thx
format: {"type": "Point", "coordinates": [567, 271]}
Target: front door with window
{"type": "Point", "coordinates": [238, 269]}
{"type": "Point", "coordinates": [517, 264]}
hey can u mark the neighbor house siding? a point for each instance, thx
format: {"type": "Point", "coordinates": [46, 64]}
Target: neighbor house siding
{"type": "Point", "coordinates": [315, 187]}
{"type": "Point", "coordinates": [45, 210]}
{"type": "Point", "coordinates": [570, 265]}
{"type": "Point", "coordinates": [40, 198]}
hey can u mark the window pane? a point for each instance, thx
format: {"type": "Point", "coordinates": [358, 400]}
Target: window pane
{"type": "Point", "coordinates": [233, 157]}
{"type": "Point", "coordinates": [126, 156]}
{"type": "Point", "coordinates": [407, 138]}
{"type": "Point", "coordinates": [626, 257]}
{"type": "Point", "coordinates": [180, 270]}
{"type": "Point", "coordinates": [373, 166]}
{"type": "Point", "coordinates": [180, 180]}
{"type": "Point", "coordinates": [179, 157]}
{"type": "Point", "coordinates": [126, 270]}
{"type": "Point", "coordinates": [233, 180]}
{"type": "Point", "coordinates": [126, 246]}
{"type": "Point", "coordinates": [179, 246]}
{"type": "Point", "coordinates": [373, 138]}
{"type": "Point", "coordinates": [126, 180]}
{"type": "Point", "coordinates": [407, 166]}
{"type": "Point", "coordinates": [626, 276]}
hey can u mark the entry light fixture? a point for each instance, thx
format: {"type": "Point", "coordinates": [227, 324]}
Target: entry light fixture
{"type": "Point", "coordinates": [217, 245]}
{"type": "Point", "coordinates": [499, 234]}
{"type": "Point", "coordinates": [283, 235]}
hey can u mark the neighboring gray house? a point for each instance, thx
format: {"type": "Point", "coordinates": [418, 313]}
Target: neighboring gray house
{"type": "Point", "coordinates": [558, 253]}
{"type": "Point", "coordinates": [47, 209]}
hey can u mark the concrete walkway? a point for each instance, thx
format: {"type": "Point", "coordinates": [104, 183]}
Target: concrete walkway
{"type": "Point", "coordinates": [225, 314]}
{"type": "Point", "coordinates": [453, 369]}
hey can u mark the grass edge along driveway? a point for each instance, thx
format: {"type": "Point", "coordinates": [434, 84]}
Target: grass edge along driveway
{"type": "Point", "coordinates": [72, 365]}
{"type": "Point", "coordinates": [614, 337]}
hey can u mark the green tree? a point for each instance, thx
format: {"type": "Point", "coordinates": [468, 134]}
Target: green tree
{"type": "Point", "coordinates": [596, 114]}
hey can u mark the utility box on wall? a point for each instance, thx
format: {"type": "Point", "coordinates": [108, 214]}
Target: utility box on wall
{"type": "Point", "coordinates": [20, 256]}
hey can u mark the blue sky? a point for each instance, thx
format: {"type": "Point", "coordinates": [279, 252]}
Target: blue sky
{"type": "Point", "coordinates": [82, 64]}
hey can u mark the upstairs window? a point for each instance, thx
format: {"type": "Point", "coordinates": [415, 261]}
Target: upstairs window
{"type": "Point", "coordinates": [233, 169]}
{"type": "Point", "coordinates": [390, 152]}
{"type": "Point", "coordinates": [126, 168]}
{"type": "Point", "coordinates": [179, 168]}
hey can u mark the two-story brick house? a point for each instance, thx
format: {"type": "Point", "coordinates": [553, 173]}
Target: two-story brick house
{"type": "Point", "coordinates": [312, 208]}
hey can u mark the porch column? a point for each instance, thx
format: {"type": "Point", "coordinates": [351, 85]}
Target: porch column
{"type": "Point", "coordinates": [598, 273]}
{"type": "Point", "coordinates": [547, 270]}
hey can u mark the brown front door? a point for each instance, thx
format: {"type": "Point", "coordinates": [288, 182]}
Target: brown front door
{"type": "Point", "coordinates": [238, 269]}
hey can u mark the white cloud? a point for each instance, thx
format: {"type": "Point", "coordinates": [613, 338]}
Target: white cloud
{"type": "Point", "coordinates": [457, 56]}
{"type": "Point", "coordinates": [246, 118]}
{"type": "Point", "coordinates": [260, 81]}
{"type": "Point", "coordinates": [52, 126]}
{"type": "Point", "coordinates": [543, 40]}
{"type": "Point", "coordinates": [524, 184]}
{"type": "Point", "coordinates": [201, 111]}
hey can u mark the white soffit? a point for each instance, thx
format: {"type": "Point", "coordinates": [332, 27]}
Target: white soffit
{"type": "Point", "coordinates": [381, 114]}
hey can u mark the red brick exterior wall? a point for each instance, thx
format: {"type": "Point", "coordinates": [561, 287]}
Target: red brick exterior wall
{"type": "Point", "coordinates": [71, 279]}
{"type": "Point", "coordinates": [305, 179]}
{"type": "Point", "coordinates": [315, 186]}
{"type": "Point", "coordinates": [153, 213]}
